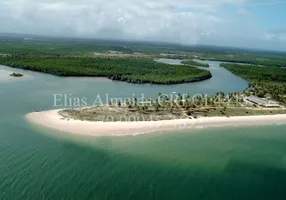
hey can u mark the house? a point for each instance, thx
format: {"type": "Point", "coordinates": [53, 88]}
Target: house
{"type": "Point", "coordinates": [262, 102]}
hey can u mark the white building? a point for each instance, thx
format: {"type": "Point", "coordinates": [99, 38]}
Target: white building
{"type": "Point", "coordinates": [262, 102]}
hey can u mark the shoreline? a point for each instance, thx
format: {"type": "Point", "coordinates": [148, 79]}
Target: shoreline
{"type": "Point", "coordinates": [53, 120]}
{"type": "Point", "coordinates": [202, 76]}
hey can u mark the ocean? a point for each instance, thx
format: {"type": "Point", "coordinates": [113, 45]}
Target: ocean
{"type": "Point", "coordinates": [225, 163]}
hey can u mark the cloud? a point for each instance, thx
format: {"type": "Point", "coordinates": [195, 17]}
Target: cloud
{"type": "Point", "coordinates": [180, 21]}
{"type": "Point", "coordinates": [269, 2]}
{"type": "Point", "coordinates": [127, 19]}
{"type": "Point", "coordinates": [276, 35]}
{"type": "Point", "coordinates": [243, 12]}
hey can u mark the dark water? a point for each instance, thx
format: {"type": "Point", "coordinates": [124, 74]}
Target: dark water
{"type": "Point", "coordinates": [37, 163]}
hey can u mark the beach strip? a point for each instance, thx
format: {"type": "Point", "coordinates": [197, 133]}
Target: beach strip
{"type": "Point", "coordinates": [53, 120]}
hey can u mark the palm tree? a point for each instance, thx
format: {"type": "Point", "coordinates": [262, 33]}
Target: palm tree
{"type": "Point", "coordinates": [188, 96]}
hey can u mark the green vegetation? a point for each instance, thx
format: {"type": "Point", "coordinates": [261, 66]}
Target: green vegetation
{"type": "Point", "coordinates": [27, 43]}
{"type": "Point", "coordinates": [16, 74]}
{"type": "Point", "coordinates": [113, 113]}
{"type": "Point", "coordinates": [133, 61]}
{"type": "Point", "coordinates": [117, 60]}
{"type": "Point", "coordinates": [118, 113]}
{"type": "Point", "coordinates": [263, 60]}
{"type": "Point", "coordinates": [256, 73]}
{"type": "Point", "coordinates": [194, 63]}
{"type": "Point", "coordinates": [238, 111]}
{"type": "Point", "coordinates": [134, 70]}
{"type": "Point", "coordinates": [265, 81]}
{"type": "Point", "coordinates": [164, 109]}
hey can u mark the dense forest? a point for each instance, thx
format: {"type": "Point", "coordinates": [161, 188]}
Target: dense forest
{"type": "Point", "coordinates": [194, 63]}
{"type": "Point", "coordinates": [134, 70]}
{"type": "Point", "coordinates": [263, 60]}
{"type": "Point", "coordinates": [257, 73]}
{"type": "Point", "coordinates": [263, 80]}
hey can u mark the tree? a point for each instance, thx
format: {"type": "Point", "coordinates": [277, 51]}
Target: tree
{"type": "Point", "coordinates": [157, 108]}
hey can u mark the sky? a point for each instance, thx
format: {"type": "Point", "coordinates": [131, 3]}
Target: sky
{"type": "Point", "coordinates": [255, 24]}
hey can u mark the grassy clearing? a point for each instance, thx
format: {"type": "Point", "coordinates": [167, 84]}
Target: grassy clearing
{"type": "Point", "coordinates": [239, 111]}
{"type": "Point", "coordinates": [124, 114]}
{"type": "Point", "coordinates": [114, 114]}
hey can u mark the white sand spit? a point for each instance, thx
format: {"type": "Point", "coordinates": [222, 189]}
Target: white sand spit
{"type": "Point", "coordinates": [52, 119]}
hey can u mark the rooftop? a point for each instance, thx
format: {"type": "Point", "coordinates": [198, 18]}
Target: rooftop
{"type": "Point", "coordinates": [257, 100]}
{"type": "Point", "coordinates": [261, 101]}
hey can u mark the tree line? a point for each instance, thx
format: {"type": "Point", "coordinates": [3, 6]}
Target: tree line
{"type": "Point", "coordinates": [267, 60]}
{"type": "Point", "coordinates": [263, 80]}
{"type": "Point", "coordinates": [194, 63]}
{"type": "Point", "coordinates": [134, 70]}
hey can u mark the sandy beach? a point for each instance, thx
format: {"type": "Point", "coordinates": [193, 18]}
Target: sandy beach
{"type": "Point", "coordinates": [52, 119]}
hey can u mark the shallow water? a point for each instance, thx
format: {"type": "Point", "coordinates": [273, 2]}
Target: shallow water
{"type": "Point", "coordinates": [6, 78]}
{"type": "Point", "coordinates": [226, 163]}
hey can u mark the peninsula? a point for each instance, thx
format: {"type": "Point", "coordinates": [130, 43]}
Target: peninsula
{"type": "Point", "coordinates": [138, 70]}
{"type": "Point", "coordinates": [162, 114]}
{"type": "Point", "coordinates": [54, 120]}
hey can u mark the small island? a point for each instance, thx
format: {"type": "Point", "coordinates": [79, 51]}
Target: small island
{"type": "Point", "coordinates": [16, 74]}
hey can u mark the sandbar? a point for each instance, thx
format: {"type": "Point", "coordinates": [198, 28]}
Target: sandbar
{"type": "Point", "coordinates": [53, 120]}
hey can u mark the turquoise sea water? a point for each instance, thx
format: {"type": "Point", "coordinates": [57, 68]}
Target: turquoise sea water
{"type": "Point", "coordinates": [227, 163]}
